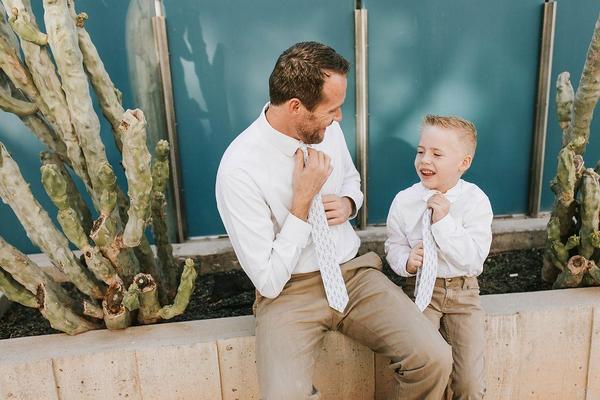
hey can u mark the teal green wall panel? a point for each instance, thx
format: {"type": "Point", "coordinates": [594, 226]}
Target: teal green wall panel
{"type": "Point", "coordinates": [473, 59]}
{"type": "Point", "coordinates": [222, 53]}
{"type": "Point", "coordinates": [575, 22]}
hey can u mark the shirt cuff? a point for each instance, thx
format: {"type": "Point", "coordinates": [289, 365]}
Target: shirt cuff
{"type": "Point", "coordinates": [356, 199]}
{"type": "Point", "coordinates": [295, 231]}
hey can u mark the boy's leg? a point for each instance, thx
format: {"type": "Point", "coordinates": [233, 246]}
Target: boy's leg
{"type": "Point", "coordinates": [463, 327]}
{"type": "Point", "coordinates": [289, 330]}
{"type": "Point", "coordinates": [380, 316]}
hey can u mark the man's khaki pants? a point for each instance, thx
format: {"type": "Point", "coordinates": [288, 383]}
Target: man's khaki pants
{"type": "Point", "coordinates": [290, 328]}
{"type": "Point", "coordinates": [455, 310]}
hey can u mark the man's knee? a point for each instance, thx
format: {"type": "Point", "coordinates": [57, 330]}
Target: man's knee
{"type": "Point", "coordinates": [439, 358]}
{"type": "Point", "coordinates": [428, 359]}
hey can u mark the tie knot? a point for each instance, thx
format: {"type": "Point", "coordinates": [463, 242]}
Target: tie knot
{"type": "Point", "coordinates": [304, 147]}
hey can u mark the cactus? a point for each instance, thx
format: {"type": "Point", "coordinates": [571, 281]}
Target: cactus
{"type": "Point", "coordinates": [573, 234]}
{"type": "Point", "coordinates": [117, 274]}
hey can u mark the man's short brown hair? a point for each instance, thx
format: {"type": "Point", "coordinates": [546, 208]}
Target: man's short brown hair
{"type": "Point", "coordinates": [300, 71]}
{"type": "Point", "coordinates": [465, 129]}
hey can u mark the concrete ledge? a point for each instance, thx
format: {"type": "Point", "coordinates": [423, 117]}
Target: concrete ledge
{"type": "Point", "coordinates": [540, 345]}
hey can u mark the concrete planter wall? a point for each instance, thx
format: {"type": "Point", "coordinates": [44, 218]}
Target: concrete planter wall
{"type": "Point", "coordinates": [540, 345]}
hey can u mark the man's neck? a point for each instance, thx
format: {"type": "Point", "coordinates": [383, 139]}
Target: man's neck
{"type": "Point", "coordinates": [279, 121]}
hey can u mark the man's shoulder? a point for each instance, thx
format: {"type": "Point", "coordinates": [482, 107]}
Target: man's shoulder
{"type": "Point", "coordinates": [243, 148]}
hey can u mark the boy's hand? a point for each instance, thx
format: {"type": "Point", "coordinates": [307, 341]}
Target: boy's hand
{"type": "Point", "coordinates": [440, 206]}
{"type": "Point", "coordinates": [415, 259]}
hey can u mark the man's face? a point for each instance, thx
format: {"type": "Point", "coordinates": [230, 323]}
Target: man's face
{"type": "Point", "coordinates": [441, 158]}
{"type": "Point", "coordinates": [311, 126]}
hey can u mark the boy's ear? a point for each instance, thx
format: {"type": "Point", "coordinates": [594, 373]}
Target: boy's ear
{"type": "Point", "coordinates": [466, 163]}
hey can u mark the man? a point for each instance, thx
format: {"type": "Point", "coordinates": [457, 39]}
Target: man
{"type": "Point", "coordinates": [266, 184]}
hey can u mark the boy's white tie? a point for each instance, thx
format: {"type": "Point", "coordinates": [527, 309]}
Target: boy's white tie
{"type": "Point", "coordinates": [335, 288]}
{"type": "Point", "coordinates": [425, 280]}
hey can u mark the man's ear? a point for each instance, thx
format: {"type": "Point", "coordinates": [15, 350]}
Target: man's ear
{"type": "Point", "coordinates": [294, 105]}
{"type": "Point", "coordinates": [466, 163]}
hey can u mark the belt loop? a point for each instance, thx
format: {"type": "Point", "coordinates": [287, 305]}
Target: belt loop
{"type": "Point", "coordinates": [465, 284]}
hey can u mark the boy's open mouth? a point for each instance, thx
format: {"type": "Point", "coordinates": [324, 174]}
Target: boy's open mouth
{"type": "Point", "coordinates": [427, 172]}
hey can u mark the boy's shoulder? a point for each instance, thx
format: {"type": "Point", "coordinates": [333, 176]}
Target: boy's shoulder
{"type": "Point", "coordinates": [411, 193]}
{"type": "Point", "coordinates": [470, 189]}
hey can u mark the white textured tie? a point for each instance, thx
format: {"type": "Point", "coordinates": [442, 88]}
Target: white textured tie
{"type": "Point", "coordinates": [335, 288]}
{"type": "Point", "coordinates": [425, 280]}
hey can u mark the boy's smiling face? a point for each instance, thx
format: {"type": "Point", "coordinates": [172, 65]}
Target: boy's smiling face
{"type": "Point", "coordinates": [442, 158]}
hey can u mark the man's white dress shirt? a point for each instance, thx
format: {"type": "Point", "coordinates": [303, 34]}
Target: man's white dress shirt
{"type": "Point", "coordinates": [463, 237]}
{"type": "Point", "coordinates": [254, 197]}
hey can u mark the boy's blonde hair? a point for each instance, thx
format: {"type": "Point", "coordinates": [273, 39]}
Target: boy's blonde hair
{"type": "Point", "coordinates": [465, 129]}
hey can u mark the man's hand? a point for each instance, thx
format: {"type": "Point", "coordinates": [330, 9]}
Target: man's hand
{"type": "Point", "coordinates": [440, 206]}
{"type": "Point", "coordinates": [415, 259]}
{"type": "Point", "coordinates": [308, 179]}
{"type": "Point", "coordinates": [338, 209]}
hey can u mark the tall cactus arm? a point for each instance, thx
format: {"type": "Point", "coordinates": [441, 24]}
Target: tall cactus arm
{"type": "Point", "coordinates": [136, 160]}
{"type": "Point", "coordinates": [43, 73]}
{"type": "Point", "coordinates": [62, 37]}
{"type": "Point", "coordinates": [19, 75]}
{"type": "Point", "coordinates": [15, 192]}
{"type": "Point", "coordinates": [56, 187]}
{"type": "Point", "coordinates": [167, 275]}
{"type": "Point", "coordinates": [16, 292]}
{"type": "Point", "coordinates": [184, 292]}
{"type": "Point", "coordinates": [76, 201]}
{"type": "Point", "coordinates": [564, 102]}
{"type": "Point", "coordinates": [116, 315]}
{"type": "Point", "coordinates": [587, 95]}
{"type": "Point", "coordinates": [54, 303]}
{"type": "Point", "coordinates": [590, 213]}
{"type": "Point", "coordinates": [109, 96]}
{"type": "Point", "coordinates": [26, 30]}
{"type": "Point", "coordinates": [15, 106]}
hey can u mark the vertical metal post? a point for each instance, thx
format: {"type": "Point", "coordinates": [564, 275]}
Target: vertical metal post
{"type": "Point", "coordinates": [159, 28]}
{"type": "Point", "coordinates": [362, 110]}
{"type": "Point", "coordinates": [541, 108]}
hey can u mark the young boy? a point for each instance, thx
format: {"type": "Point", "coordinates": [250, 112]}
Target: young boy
{"type": "Point", "coordinates": [460, 235]}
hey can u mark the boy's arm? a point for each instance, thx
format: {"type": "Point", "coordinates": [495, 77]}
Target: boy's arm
{"type": "Point", "coordinates": [466, 246]}
{"type": "Point", "coordinates": [397, 247]}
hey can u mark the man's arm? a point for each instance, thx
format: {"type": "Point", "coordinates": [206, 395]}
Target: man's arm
{"type": "Point", "coordinates": [267, 258]}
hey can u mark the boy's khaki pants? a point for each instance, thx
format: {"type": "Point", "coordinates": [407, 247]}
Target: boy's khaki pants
{"type": "Point", "coordinates": [290, 328]}
{"type": "Point", "coordinates": [455, 310]}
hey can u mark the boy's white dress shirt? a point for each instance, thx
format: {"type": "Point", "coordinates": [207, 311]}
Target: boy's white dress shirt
{"type": "Point", "coordinates": [254, 196]}
{"type": "Point", "coordinates": [463, 237]}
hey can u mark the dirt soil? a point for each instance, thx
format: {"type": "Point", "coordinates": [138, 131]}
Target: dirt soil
{"type": "Point", "coordinates": [228, 294]}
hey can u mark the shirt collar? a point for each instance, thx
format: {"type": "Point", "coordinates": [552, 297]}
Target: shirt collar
{"type": "Point", "coordinates": [287, 145]}
{"type": "Point", "coordinates": [452, 193]}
